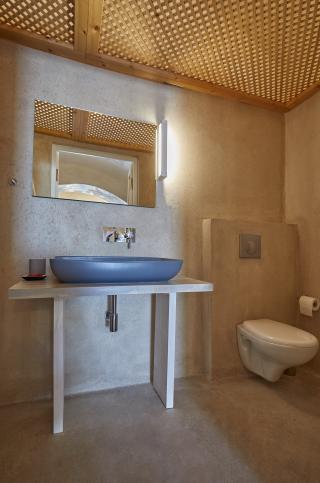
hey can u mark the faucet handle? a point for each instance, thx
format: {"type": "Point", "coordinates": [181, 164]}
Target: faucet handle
{"type": "Point", "coordinates": [119, 234]}
{"type": "Point", "coordinates": [109, 233]}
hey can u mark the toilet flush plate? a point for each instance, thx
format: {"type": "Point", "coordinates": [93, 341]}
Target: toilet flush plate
{"type": "Point", "coordinates": [249, 246]}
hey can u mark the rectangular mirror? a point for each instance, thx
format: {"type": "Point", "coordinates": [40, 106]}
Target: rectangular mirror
{"type": "Point", "coordinates": [87, 156]}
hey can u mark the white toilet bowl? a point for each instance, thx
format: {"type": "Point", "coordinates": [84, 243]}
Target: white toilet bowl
{"type": "Point", "coordinates": [268, 348]}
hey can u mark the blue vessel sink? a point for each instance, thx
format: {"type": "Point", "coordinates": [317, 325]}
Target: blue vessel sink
{"type": "Point", "coordinates": [114, 269]}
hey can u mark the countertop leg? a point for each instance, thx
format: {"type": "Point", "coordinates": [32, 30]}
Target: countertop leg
{"type": "Point", "coordinates": [164, 347]}
{"type": "Point", "coordinates": [58, 366]}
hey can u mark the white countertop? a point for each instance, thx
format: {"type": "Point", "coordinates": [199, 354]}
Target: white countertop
{"type": "Point", "coordinates": [52, 288]}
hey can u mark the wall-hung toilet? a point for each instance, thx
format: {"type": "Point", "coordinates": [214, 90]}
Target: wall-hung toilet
{"type": "Point", "coordinates": [268, 348]}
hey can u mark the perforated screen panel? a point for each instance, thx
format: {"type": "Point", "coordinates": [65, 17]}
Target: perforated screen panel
{"type": "Point", "coordinates": [266, 48]}
{"type": "Point", "coordinates": [56, 119]}
{"type": "Point", "coordinates": [53, 19]}
{"type": "Point", "coordinates": [53, 117]}
{"type": "Point", "coordinates": [115, 129]}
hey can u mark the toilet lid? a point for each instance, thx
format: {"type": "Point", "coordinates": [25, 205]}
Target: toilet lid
{"type": "Point", "coordinates": [279, 333]}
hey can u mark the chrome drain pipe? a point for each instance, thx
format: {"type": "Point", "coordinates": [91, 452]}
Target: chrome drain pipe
{"type": "Point", "coordinates": [111, 314]}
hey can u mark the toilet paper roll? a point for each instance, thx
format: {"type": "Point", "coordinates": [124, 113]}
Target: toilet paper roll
{"type": "Point", "coordinates": [308, 305]}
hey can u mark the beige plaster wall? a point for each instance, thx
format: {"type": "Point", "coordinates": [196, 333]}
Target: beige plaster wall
{"type": "Point", "coordinates": [225, 160]}
{"type": "Point", "coordinates": [302, 198]}
{"type": "Point", "coordinates": [248, 288]}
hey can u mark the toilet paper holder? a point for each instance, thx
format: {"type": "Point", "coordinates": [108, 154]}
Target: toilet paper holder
{"type": "Point", "coordinates": [308, 305]}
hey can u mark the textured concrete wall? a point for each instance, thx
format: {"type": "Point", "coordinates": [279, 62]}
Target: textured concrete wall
{"type": "Point", "coordinates": [225, 160]}
{"type": "Point", "coordinates": [248, 288]}
{"type": "Point", "coordinates": [302, 198]}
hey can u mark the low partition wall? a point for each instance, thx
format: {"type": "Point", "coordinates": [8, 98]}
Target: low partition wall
{"type": "Point", "coordinates": [266, 287]}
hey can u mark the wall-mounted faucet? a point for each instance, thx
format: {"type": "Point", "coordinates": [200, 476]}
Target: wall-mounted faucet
{"type": "Point", "coordinates": [119, 235]}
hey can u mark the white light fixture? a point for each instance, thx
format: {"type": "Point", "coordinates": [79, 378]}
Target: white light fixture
{"type": "Point", "coordinates": [162, 150]}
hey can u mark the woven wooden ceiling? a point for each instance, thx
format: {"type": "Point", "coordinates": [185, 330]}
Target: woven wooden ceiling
{"type": "Point", "coordinates": [92, 127]}
{"type": "Point", "coordinates": [264, 52]}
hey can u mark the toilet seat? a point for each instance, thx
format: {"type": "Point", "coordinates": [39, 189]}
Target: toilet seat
{"type": "Point", "coordinates": [278, 333]}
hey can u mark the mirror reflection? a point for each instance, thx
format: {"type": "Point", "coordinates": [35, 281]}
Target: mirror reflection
{"type": "Point", "coordinates": [87, 156]}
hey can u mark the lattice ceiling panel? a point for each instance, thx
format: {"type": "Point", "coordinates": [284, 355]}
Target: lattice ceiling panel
{"type": "Point", "coordinates": [265, 52]}
{"type": "Point", "coordinates": [123, 131]}
{"type": "Point", "coordinates": [56, 120]}
{"type": "Point", "coordinates": [53, 19]}
{"type": "Point", "coordinates": [53, 117]}
{"type": "Point", "coordinates": [265, 48]}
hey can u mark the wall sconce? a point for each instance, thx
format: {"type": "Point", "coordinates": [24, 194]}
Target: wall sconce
{"type": "Point", "coordinates": [162, 150]}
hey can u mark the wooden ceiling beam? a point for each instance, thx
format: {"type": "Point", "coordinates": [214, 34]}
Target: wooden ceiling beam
{"type": "Point", "coordinates": [118, 144]}
{"type": "Point", "coordinates": [94, 141]}
{"type": "Point", "coordinates": [95, 8]}
{"type": "Point", "coordinates": [50, 132]}
{"type": "Point", "coordinates": [165, 77]}
{"type": "Point", "coordinates": [303, 96]}
{"type": "Point", "coordinates": [81, 12]}
{"type": "Point", "coordinates": [79, 124]}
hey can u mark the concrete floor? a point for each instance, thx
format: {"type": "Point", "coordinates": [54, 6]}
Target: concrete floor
{"type": "Point", "coordinates": [230, 431]}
